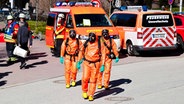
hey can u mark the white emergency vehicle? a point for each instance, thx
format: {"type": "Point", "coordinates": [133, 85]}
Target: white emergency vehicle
{"type": "Point", "coordinates": [141, 29]}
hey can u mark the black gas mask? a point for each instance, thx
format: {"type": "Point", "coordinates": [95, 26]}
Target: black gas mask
{"type": "Point", "coordinates": [105, 33]}
{"type": "Point", "coordinates": [72, 34]}
{"type": "Point", "coordinates": [92, 37]}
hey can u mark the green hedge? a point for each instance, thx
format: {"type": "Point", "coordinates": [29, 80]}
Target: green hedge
{"type": "Point", "coordinates": [37, 27]}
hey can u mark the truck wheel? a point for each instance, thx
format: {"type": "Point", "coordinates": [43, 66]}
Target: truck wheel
{"type": "Point", "coordinates": [131, 50]}
{"type": "Point", "coordinates": [180, 43]}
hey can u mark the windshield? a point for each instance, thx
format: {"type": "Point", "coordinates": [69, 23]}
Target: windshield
{"type": "Point", "coordinates": [157, 20]}
{"type": "Point", "coordinates": [128, 20]}
{"type": "Point", "coordinates": [92, 20]}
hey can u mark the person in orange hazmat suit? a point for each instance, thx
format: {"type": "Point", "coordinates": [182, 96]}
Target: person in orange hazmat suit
{"type": "Point", "coordinates": [110, 53]}
{"type": "Point", "coordinates": [69, 51]}
{"type": "Point", "coordinates": [92, 56]}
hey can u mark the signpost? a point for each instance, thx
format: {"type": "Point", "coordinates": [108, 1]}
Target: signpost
{"type": "Point", "coordinates": [97, 2]}
{"type": "Point", "coordinates": [170, 3]}
{"type": "Point", "coordinates": [181, 1]}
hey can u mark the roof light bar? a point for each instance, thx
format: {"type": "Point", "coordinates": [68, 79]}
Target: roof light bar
{"type": "Point", "coordinates": [72, 3]}
{"type": "Point", "coordinates": [133, 8]}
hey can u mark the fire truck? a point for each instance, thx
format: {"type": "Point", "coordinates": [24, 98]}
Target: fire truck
{"type": "Point", "coordinates": [83, 17]}
{"type": "Point", "coordinates": [145, 30]}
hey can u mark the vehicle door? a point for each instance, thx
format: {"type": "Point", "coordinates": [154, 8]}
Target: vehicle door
{"type": "Point", "coordinates": [158, 30]}
{"type": "Point", "coordinates": [50, 27]}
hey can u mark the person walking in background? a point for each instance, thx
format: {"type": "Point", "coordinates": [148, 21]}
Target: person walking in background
{"type": "Point", "coordinates": [22, 19]}
{"type": "Point", "coordinates": [110, 53]}
{"type": "Point", "coordinates": [92, 54]}
{"type": "Point", "coordinates": [69, 56]}
{"type": "Point", "coordinates": [10, 38]}
{"type": "Point", "coordinates": [23, 38]}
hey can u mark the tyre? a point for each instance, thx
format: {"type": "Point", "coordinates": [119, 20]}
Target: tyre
{"type": "Point", "coordinates": [180, 43]}
{"type": "Point", "coordinates": [131, 49]}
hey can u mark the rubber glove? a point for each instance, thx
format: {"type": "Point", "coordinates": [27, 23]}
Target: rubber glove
{"type": "Point", "coordinates": [61, 60]}
{"type": "Point", "coordinates": [102, 68]}
{"type": "Point", "coordinates": [81, 61]}
{"type": "Point", "coordinates": [78, 65]}
{"type": "Point", "coordinates": [116, 60]}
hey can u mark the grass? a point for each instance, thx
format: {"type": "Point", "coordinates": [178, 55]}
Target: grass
{"type": "Point", "coordinates": [37, 27]}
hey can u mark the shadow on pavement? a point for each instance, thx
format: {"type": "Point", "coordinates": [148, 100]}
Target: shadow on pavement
{"type": "Point", "coordinates": [118, 82]}
{"type": "Point", "coordinates": [164, 53]}
{"type": "Point", "coordinates": [7, 64]}
{"type": "Point", "coordinates": [2, 83]}
{"type": "Point", "coordinates": [37, 55]}
{"type": "Point", "coordinates": [113, 89]}
{"type": "Point", "coordinates": [36, 63]}
{"type": "Point", "coordinates": [78, 83]}
{"type": "Point", "coordinates": [2, 61]}
{"type": "Point", "coordinates": [2, 75]}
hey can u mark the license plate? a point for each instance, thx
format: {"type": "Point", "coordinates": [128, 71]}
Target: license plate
{"type": "Point", "coordinates": [160, 35]}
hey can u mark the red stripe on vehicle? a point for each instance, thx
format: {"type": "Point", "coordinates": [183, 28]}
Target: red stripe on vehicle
{"type": "Point", "coordinates": [169, 41]}
{"type": "Point", "coordinates": [153, 42]}
{"type": "Point", "coordinates": [147, 35]}
{"type": "Point", "coordinates": [145, 45]}
{"type": "Point", "coordinates": [165, 43]}
{"type": "Point", "coordinates": [172, 37]}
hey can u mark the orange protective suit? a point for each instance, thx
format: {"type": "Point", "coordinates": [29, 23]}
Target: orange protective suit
{"type": "Point", "coordinates": [108, 63]}
{"type": "Point", "coordinates": [70, 52]}
{"type": "Point", "coordinates": [91, 66]}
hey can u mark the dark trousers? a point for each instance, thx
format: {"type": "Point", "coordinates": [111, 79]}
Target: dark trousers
{"type": "Point", "coordinates": [9, 48]}
{"type": "Point", "coordinates": [58, 47]}
{"type": "Point", "coordinates": [23, 46]}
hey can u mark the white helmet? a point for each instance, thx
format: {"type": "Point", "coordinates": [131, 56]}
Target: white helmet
{"type": "Point", "coordinates": [9, 17]}
{"type": "Point", "coordinates": [21, 15]}
{"type": "Point", "coordinates": [61, 15]}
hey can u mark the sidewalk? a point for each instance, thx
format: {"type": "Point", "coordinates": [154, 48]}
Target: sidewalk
{"type": "Point", "coordinates": [136, 83]}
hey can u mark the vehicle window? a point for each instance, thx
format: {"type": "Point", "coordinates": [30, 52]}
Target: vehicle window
{"type": "Point", "coordinates": [92, 20]}
{"type": "Point", "coordinates": [128, 20]}
{"type": "Point", "coordinates": [50, 19]}
{"type": "Point", "coordinates": [157, 20]}
{"type": "Point", "coordinates": [69, 23]}
{"type": "Point", "coordinates": [178, 22]}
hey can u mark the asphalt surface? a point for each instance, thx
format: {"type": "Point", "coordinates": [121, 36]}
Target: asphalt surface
{"type": "Point", "coordinates": [150, 81]}
{"type": "Point", "coordinates": [40, 65]}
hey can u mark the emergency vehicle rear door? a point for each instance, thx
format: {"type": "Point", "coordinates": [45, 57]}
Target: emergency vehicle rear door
{"type": "Point", "coordinates": [158, 30]}
{"type": "Point", "coordinates": [50, 27]}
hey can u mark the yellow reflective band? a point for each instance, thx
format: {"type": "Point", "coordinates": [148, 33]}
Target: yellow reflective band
{"type": "Point", "coordinates": [11, 41]}
{"type": "Point", "coordinates": [59, 36]}
{"type": "Point", "coordinates": [6, 36]}
{"type": "Point", "coordinates": [48, 28]}
{"type": "Point", "coordinates": [88, 31]}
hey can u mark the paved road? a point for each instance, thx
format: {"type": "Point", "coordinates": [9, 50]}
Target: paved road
{"type": "Point", "coordinates": [40, 65]}
{"type": "Point", "coordinates": [151, 82]}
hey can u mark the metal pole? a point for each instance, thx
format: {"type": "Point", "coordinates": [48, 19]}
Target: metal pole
{"type": "Point", "coordinates": [181, 1]}
{"type": "Point", "coordinates": [170, 7]}
{"type": "Point", "coordinates": [36, 24]}
{"type": "Point", "coordinates": [110, 7]}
